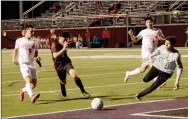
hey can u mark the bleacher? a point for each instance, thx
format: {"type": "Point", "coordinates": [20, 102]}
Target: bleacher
{"type": "Point", "coordinates": [82, 14]}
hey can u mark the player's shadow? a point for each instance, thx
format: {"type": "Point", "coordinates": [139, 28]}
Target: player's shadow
{"type": "Point", "coordinates": [106, 109]}
{"type": "Point", "coordinates": [67, 99]}
{"type": "Point", "coordinates": [171, 88]}
{"type": "Point", "coordinates": [15, 82]}
{"type": "Point", "coordinates": [120, 97]}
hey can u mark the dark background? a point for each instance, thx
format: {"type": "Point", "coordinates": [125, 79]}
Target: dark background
{"type": "Point", "coordinates": [10, 9]}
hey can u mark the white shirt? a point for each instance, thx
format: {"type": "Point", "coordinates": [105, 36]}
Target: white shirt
{"type": "Point", "coordinates": [26, 50]}
{"type": "Point", "coordinates": [149, 40]}
{"type": "Point", "coordinates": [167, 61]}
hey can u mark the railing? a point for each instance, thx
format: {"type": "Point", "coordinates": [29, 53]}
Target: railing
{"type": "Point", "coordinates": [32, 8]}
{"type": "Point", "coordinates": [179, 5]}
{"type": "Point", "coordinates": [173, 5]}
{"type": "Point", "coordinates": [85, 20]}
{"type": "Point", "coordinates": [76, 21]}
{"type": "Point", "coordinates": [60, 12]}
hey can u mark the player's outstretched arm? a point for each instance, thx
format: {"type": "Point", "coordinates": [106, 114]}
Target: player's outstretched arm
{"type": "Point", "coordinates": [178, 73]}
{"type": "Point", "coordinates": [37, 57]}
{"type": "Point", "coordinates": [15, 58]}
{"type": "Point", "coordinates": [56, 54]}
{"type": "Point", "coordinates": [8, 38]}
{"type": "Point", "coordinates": [133, 37]}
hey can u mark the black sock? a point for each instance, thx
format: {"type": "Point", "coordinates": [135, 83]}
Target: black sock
{"type": "Point", "coordinates": [79, 84]}
{"type": "Point", "coordinates": [63, 89]}
{"type": "Point", "coordinates": [39, 63]}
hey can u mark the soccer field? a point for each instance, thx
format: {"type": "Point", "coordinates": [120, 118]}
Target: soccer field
{"type": "Point", "coordinates": [102, 72]}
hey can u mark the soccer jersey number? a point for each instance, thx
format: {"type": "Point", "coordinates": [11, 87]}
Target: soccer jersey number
{"type": "Point", "coordinates": [29, 51]}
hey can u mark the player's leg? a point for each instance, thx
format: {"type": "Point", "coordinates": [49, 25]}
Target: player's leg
{"type": "Point", "coordinates": [162, 85]}
{"type": "Point", "coordinates": [38, 62]}
{"type": "Point", "coordinates": [136, 71]}
{"type": "Point", "coordinates": [151, 74]}
{"type": "Point", "coordinates": [162, 77]}
{"type": "Point", "coordinates": [34, 76]}
{"type": "Point", "coordinates": [26, 72]}
{"type": "Point", "coordinates": [62, 77]}
{"type": "Point", "coordinates": [72, 73]}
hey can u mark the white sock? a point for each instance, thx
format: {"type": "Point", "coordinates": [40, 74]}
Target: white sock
{"type": "Point", "coordinates": [24, 89]}
{"type": "Point", "coordinates": [29, 89]}
{"type": "Point", "coordinates": [134, 72]}
{"type": "Point", "coordinates": [155, 78]}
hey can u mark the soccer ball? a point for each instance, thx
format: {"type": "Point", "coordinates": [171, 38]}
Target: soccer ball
{"type": "Point", "coordinates": [176, 14]}
{"type": "Point", "coordinates": [97, 104]}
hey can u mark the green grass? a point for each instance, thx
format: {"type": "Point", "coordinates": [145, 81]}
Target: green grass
{"type": "Point", "coordinates": [101, 77]}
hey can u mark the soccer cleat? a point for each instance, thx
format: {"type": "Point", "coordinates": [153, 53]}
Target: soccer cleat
{"type": "Point", "coordinates": [21, 95]}
{"type": "Point", "coordinates": [176, 87]}
{"type": "Point", "coordinates": [86, 94]}
{"type": "Point", "coordinates": [126, 77]}
{"type": "Point", "coordinates": [138, 98]}
{"type": "Point", "coordinates": [63, 89]}
{"type": "Point", "coordinates": [34, 97]}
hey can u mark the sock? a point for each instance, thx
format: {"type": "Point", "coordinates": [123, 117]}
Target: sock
{"type": "Point", "coordinates": [134, 72]}
{"type": "Point", "coordinates": [29, 89]}
{"type": "Point", "coordinates": [79, 84]}
{"type": "Point", "coordinates": [39, 63]}
{"type": "Point", "coordinates": [24, 89]}
{"type": "Point", "coordinates": [155, 79]}
{"type": "Point", "coordinates": [63, 89]}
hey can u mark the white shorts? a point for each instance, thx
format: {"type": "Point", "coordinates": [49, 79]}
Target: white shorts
{"type": "Point", "coordinates": [28, 70]}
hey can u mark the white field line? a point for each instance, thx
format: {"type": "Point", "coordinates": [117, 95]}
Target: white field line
{"type": "Point", "coordinates": [109, 56]}
{"type": "Point", "coordinates": [147, 113]}
{"type": "Point", "coordinates": [57, 77]}
{"type": "Point", "coordinates": [79, 75]}
{"type": "Point", "coordinates": [99, 49]}
{"type": "Point", "coordinates": [112, 56]}
{"type": "Point", "coordinates": [114, 60]}
{"type": "Point", "coordinates": [143, 102]}
{"type": "Point", "coordinates": [75, 68]}
{"type": "Point", "coordinates": [77, 64]}
{"type": "Point", "coordinates": [170, 117]}
{"type": "Point", "coordinates": [80, 67]}
{"type": "Point", "coordinates": [73, 89]}
{"type": "Point", "coordinates": [67, 93]}
{"type": "Point", "coordinates": [104, 57]}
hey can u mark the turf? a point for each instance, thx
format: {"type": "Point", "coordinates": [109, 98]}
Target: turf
{"type": "Point", "coordinates": [101, 77]}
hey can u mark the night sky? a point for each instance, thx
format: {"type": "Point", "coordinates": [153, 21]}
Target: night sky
{"type": "Point", "coordinates": [10, 9]}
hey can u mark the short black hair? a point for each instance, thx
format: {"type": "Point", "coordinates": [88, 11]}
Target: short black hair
{"type": "Point", "coordinates": [171, 39]}
{"type": "Point", "coordinates": [148, 18]}
{"type": "Point", "coordinates": [52, 27]}
{"type": "Point", "coordinates": [28, 26]}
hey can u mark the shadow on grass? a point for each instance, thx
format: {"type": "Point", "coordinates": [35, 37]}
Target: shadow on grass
{"type": "Point", "coordinates": [104, 97]}
{"type": "Point", "coordinates": [119, 97]}
{"type": "Point", "coordinates": [171, 88]}
{"type": "Point", "coordinates": [11, 84]}
{"type": "Point", "coordinates": [67, 99]}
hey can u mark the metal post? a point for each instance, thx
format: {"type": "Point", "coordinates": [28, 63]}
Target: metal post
{"type": "Point", "coordinates": [21, 9]}
{"type": "Point", "coordinates": [127, 24]}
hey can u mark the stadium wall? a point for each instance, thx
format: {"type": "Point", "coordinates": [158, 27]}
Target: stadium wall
{"type": "Point", "coordinates": [118, 34]}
